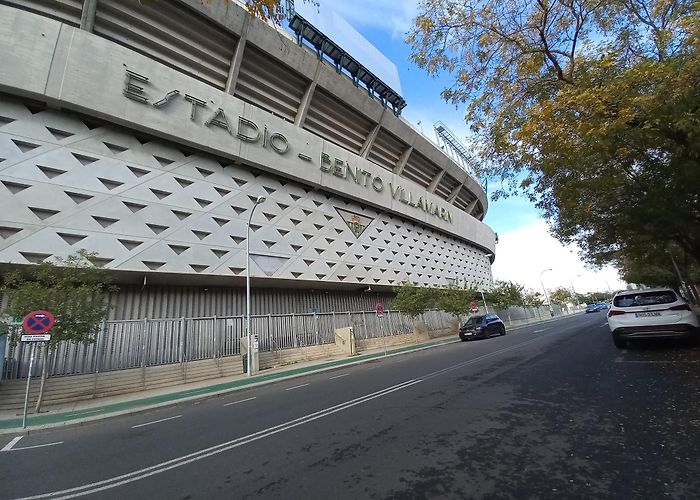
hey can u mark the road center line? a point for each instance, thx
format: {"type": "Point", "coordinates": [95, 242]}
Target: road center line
{"type": "Point", "coordinates": [155, 421]}
{"type": "Point", "coordinates": [338, 376]}
{"type": "Point", "coordinates": [8, 446]}
{"type": "Point", "coordinates": [296, 387]}
{"type": "Point", "coordinates": [240, 401]}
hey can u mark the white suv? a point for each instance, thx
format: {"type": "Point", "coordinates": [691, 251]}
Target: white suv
{"type": "Point", "coordinates": [651, 313]}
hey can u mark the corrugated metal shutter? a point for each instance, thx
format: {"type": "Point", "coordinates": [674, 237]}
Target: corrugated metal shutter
{"type": "Point", "coordinates": [171, 34]}
{"type": "Point", "coordinates": [335, 121]}
{"type": "Point", "coordinates": [269, 84]}
{"type": "Point", "coordinates": [66, 11]}
{"type": "Point", "coordinates": [386, 150]}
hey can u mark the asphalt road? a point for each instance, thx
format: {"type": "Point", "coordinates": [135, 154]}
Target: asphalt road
{"type": "Point", "coordinates": [548, 411]}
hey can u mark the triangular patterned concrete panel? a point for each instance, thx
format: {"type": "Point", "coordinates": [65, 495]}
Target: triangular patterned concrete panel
{"type": "Point", "coordinates": [202, 202]}
{"type": "Point", "coordinates": [219, 253]}
{"type": "Point", "coordinates": [255, 227]}
{"type": "Point", "coordinates": [221, 221]}
{"type": "Point", "coordinates": [238, 210]}
{"type": "Point", "coordinates": [43, 213]}
{"type": "Point", "coordinates": [130, 244]}
{"type": "Point", "coordinates": [24, 146]}
{"type": "Point", "coordinates": [178, 249]}
{"type": "Point", "coordinates": [59, 134]}
{"type": "Point", "coordinates": [157, 228]}
{"type": "Point", "coordinates": [115, 148]}
{"type": "Point", "coordinates": [105, 221]}
{"type": "Point", "coordinates": [237, 270]}
{"type": "Point", "coordinates": [181, 214]}
{"type": "Point", "coordinates": [84, 159]}
{"type": "Point", "coordinates": [183, 182]}
{"type": "Point", "coordinates": [72, 239]}
{"type": "Point", "coordinates": [164, 162]}
{"type": "Point", "coordinates": [15, 187]}
{"type": "Point", "coordinates": [160, 194]}
{"type": "Point", "coordinates": [198, 268]}
{"type": "Point", "coordinates": [222, 192]}
{"type": "Point", "coordinates": [138, 172]}
{"type": "Point", "coordinates": [200, 234]}
{"type": "Point", "coordinates": [134, 207]}
{"type": "Point", "coordinates": [152, 265]}
{"type": "Point", "coordinates": [238, 239]}
{"type": "Point", "coordinates": [51, 172]}
{"type": "Point", "coordinates": [99, 261]}
{"type": "Point", "coordinates": [240, 182]}
{"type": "Point", "coordinates": [8, 231]}
{"type": "Point", "coordinates": [269, 264]}
{"type": "Point", "coordinates": [295, 197]}
{"type": "Point", "coordinates": [34, 257]}
{"type": "Point", "coordinates": [110, 184]}
{"type": "Point", "coordinates": [204, 172]}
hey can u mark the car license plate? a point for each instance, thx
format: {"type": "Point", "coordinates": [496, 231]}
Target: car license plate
{"type": "Point", "coordinates": [646, 314]}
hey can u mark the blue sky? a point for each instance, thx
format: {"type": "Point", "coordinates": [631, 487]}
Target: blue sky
{"type": "Point", "coordinates": [526, 251]}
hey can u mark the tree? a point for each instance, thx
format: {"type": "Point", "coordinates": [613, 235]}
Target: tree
{"type": "Point", "coordinates": [73, 289]}
{"type": "Point", "coordinates": [506, 294]}
{"type": "Point", "coordinates": [455, 301]}
{"type": "Point", "coordinates": [561, 296]}
{"type": "Point", "coordinates": [591, 108]}
{"type": "Point", "coordinates": [532, 298]}
{"type": "Point", "coordinates": [414, 300]}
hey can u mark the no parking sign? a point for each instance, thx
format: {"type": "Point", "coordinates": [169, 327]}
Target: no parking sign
{"type": "Point", "coordinates": [37, 324]}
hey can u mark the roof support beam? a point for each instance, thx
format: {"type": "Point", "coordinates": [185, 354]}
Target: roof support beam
{"type": "Point", "coordinates": [403, 160]}
{"type": "Point", "coordinates": [300, 118]}
{"type": "Point", "coordinates": [364, 152]}
{"type": "Point", "coordinates": [87, 16]}
{"type": "Point", "coordinates": [237, 59]}
{"type": "Point", "coordinates": [453, 195]}
{"type": "Point", "coordinates": [433, 185]}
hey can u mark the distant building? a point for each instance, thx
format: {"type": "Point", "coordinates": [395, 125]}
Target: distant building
{"type": "Point", "coordinates": [146, 133]}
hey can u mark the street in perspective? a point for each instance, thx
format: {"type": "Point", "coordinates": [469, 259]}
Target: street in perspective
{"type": "Point", "coordinates": [548, 410]}
{"type": "Point", "coordinates": [323, 249]}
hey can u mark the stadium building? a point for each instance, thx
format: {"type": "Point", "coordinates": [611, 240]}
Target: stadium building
{"type": "Point", "coordinates": [148, 133]}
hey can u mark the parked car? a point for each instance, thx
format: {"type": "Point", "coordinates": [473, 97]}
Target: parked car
{"type": "Point", "coordinates": [482, 327]}
{"type": "Point", "coordinates": [658, 313]}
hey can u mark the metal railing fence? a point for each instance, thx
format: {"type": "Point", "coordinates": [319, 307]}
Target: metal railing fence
{"type": "Point", "coordinates": [124, 344]}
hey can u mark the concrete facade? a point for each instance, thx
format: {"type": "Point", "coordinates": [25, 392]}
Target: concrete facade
{"type": "Point", "coordinates": [156, 168]}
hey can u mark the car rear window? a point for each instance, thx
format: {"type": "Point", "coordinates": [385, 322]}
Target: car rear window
{"type": "Point", "coordinates": [475, 320]}
{"type": "Point", "coordinates": [645, 299]}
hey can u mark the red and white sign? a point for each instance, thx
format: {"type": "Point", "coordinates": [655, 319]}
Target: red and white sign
{"type": "Point", "coordinates": [473, 306]}
{"type": "Point", "coordinates": [379, 309]}
{"type": "Point", "coordinates": [37, 324]}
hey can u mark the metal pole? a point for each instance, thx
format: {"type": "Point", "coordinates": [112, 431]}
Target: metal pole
{"type": "Point", "coordinates": [484, 299]}
{"type": "Point", "coordinates": [29, 379]}
{"type": "Point", "coordinates": [247, 282]}
{"type": "Point", "coordinates": [546, 295]}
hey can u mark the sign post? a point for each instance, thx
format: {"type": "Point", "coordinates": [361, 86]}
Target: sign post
{"type": "Point", "coordinates": [379, 309]}
{"type": "Point", "coordinates": [37, 324]}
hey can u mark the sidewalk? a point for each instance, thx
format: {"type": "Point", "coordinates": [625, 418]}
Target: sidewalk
{"type": "Point", "coordinates": [96, 409]}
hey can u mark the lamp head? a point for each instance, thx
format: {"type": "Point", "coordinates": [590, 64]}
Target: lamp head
{"type": "Point", "coordinates": [261, 199]}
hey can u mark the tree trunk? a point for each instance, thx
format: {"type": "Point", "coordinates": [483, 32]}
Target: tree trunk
{"type": "Point", "coordinates": [44, 373]}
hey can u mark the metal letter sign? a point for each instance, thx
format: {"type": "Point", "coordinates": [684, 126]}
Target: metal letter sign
{"type": "Point", "coordinates": [379, 309]}
{"type": "Point", "coordinates": [37, 324]}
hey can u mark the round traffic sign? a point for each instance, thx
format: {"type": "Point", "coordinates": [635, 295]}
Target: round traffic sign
{"type": "Point", "coordinates": [379, 309]}
{"type": "Point", "coordinates": [473, 306]}
{"type": "Point", "coordinates": [37, 322]}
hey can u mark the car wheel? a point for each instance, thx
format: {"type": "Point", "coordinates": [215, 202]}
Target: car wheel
{"type": "Point", "coordinates": [619, 343]}
{"type": "Point", "coordinates": [502, 331]}
{"type": "Point", "coordinates": [463, 339]}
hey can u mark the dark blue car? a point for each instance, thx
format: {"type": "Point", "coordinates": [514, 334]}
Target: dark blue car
{"type": "Point", "coordinates": [482, 327]}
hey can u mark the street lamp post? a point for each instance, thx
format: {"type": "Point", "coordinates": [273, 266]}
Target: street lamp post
{"type": "Point", "coordinates": [546, 295]}
{"type": "Point", "coordinates": [258, 201]}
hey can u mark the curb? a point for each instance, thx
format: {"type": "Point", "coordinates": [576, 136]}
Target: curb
{"type": "Point", "coordinates": [41, 422]}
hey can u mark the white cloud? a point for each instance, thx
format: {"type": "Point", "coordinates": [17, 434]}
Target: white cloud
{"type": "Point", "coordinates": [388, 15]}
{"type": "Point", "coordinates": [522, 254]}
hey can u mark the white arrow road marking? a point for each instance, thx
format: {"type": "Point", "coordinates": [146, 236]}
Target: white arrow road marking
{"type": "Point", "coordinates": [8, 446]}
{"type": "Point", "coordinates": [155, 421]}
{"type": "Point", "coordinates": [240, 401]}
